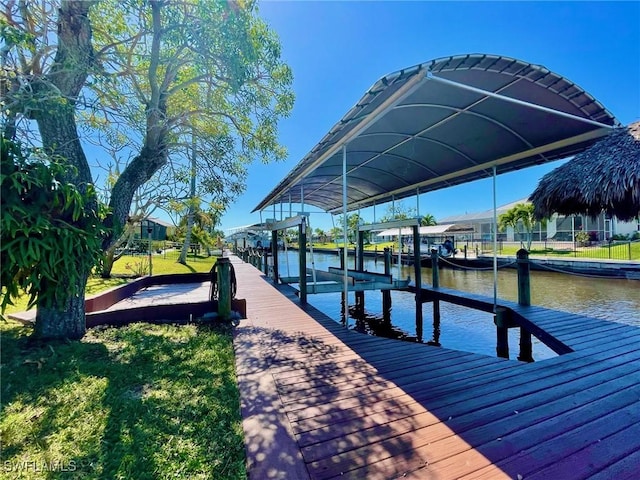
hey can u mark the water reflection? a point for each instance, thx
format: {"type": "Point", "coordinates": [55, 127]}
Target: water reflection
{"type": "Point", "coordinates": [471, 330]}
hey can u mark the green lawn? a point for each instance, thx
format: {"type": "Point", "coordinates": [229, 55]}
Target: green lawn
{"type": "Point", "coordinates": [617, 251]}
{"type": "Point", "coordinates": [94, 285]}
{"type": "Point", "coordinates": [142, 401]}
{"type": "Point", "coordinates": [130, 266]}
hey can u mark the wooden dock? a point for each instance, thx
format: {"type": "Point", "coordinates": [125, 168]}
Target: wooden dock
{"type": "Point", "coordinates": [322, 402]}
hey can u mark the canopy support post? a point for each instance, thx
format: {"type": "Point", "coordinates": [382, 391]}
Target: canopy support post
{"type": "Point", "coordinates": [302, 257]}
{"type": "Point", "coordinates": [344, 232]}
{"type": "Point", "coordinates": [495, 245]}
{"type": "Point", "coordinates": [418, 274]}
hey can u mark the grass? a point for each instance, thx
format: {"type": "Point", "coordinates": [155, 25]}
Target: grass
{"type": "Point", "coordinates": [94, 285]}
{"type": "Point", "coordinates": [142, 401]}
{"type": "Point", "coordinates": [130, 265]}
{"type": "Point", "coordinates": [618, 251]}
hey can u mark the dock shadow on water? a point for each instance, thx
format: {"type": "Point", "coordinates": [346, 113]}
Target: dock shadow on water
{"type": "Point", "coordinates": [379, 325]}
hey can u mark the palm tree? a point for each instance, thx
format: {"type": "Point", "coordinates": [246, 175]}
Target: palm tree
{"type": "Point", "coordinates": [320, 234]}
{"type": "Point", "coordinates": [519, 216]}
{"type": "Point", "coordinates": [428, 220]}
{"type": "Point", "coordinates": [336, 234]}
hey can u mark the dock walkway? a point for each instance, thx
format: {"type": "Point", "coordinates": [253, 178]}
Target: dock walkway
{"type": "Point", "coordinates": [322, 402]}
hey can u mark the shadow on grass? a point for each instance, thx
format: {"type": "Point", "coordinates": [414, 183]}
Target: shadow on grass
{"type": "Point", "coordinates": [142, 401]}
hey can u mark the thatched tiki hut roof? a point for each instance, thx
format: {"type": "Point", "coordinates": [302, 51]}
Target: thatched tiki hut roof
{"type": "Point", "coordinates": [605, 177]}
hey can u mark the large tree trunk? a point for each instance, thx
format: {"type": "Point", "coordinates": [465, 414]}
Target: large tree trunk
{"type": "Point", "coordinates": [153, 154]}
{"type": "Point", "coordinates": [139, 171]}
{"type": "Point", "coordinates": [109, 256]}
{"type": "Point", "coordinates": [108, 259]}
{"type": "Point", "coordinates": [65, 317]}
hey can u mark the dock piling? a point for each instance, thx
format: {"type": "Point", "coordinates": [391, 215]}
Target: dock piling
{"type": "Point", "coordinates": [524, 298]}
{"type": "Point", "coordinates": [265, 261]}
{"type": "Point", "coordinates": [502, 332]}
{"type": "Point", "coordinates": [224, 287]}
{"type": "Point", "coordinates": [435, 282]}
{"type": "Point", "coordinates": [360, 267]}
{"type": "Point", "coordinates": [386, 294]}
{"type": "Point", "coordinates": [417, 268]}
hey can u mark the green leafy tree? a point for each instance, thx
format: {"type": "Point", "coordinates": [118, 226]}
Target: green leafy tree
{"type": "Point", "coordinates": [398, 211]}
{"type": "Point", "coordinates": [49, 240]}
{"type": "Point", "coordinates": [158, 70]}
{"type": "Point", "coordinates": [353, 222]}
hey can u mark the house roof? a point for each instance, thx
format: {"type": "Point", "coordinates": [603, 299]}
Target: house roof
{"type": "Point", "coordinates": [441, 123]}
{"type": "Point", "coordinates": [159, 222]}
{"type": "Point", "coordinates": [482, 215]}
{"type": "Point", "coordinates": [426, 230]}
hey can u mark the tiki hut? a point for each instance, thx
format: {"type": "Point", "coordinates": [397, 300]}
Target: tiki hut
{"type": "Point", "coordinates": [605, 177]}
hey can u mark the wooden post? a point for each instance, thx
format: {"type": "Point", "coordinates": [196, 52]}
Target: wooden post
{"type": "Point", "coordinates": [265, 260]}
{"type": "Point", "coordinates": [524, 286]}
{"type": "Point", "coordinates": [386, 294]}
{"type": "Point", "coordinates": [524, 298]}
{"type": "Point", "coordinates": [224, 288]}
{"type": "Point", "coordinates": [302, 258]}
{"type": "Point", "coordinates": [360, 266]}
{"type": "Point", "coordinates": [418, 273]}
{"type": "Point", "coordinates": [502, 332]}
{"type": "Point", "coordinates": [274, 252]}
{"type": "Point", "coordinates": [435, 283]}
{"type": "Point", "coordinates": [259, 260]}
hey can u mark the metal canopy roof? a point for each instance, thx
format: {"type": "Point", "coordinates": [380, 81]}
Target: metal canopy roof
{"type": "Point", "coordinates": [442, 123]}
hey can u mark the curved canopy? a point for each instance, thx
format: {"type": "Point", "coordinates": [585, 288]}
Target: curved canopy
{"type": "Point", "coordinates": [442, 123]}
{"type": "Point", "coordinates": [606, 177]}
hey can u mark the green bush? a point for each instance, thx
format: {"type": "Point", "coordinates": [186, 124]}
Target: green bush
{"type": "Point", "coordinates": [48, 228]}
{"type": "Point", "coordinates": [582, 238]}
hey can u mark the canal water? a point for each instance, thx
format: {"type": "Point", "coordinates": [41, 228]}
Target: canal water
{"type": "Point", "coordinates": [470, 330]}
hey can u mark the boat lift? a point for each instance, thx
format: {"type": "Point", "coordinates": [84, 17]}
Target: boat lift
{"type": "Point", "coordinates": [312, 281]}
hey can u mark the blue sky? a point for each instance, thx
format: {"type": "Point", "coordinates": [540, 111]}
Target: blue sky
{"type": "Point", "coordinates": [337, 50]}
